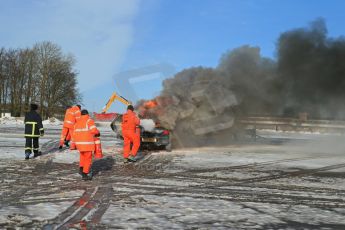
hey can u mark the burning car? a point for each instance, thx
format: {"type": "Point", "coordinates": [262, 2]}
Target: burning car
{"type": "Point", "coordinates": [151, 137]}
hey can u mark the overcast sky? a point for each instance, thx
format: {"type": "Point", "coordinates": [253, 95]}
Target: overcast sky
{"type": "Point", "coordinates": [112, 36]}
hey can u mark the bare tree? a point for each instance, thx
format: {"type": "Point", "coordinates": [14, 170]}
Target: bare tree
{"type": "Point", "coordinates": [42, 74]}
{"type": "Point", "coordinates": [3, 80]}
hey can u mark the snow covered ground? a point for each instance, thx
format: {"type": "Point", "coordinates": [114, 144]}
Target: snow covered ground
{"type": "Point", "coordinates": [279, 181]}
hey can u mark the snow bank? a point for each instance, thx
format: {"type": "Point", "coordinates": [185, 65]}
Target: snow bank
{"type": "Point", "coordinates": [20, 121]}
{"type": "Point", "coordinates": [147, 124]}
{"type": "Point", "coordinates": [11, 121]}
{"type": "Point", "coordinates": [52, 121]}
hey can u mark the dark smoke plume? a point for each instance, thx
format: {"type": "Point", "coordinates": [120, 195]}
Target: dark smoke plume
{"type": "Point", "coordinates": [201, 105]}
{"type": "Point", "coordinates": [311, 70]}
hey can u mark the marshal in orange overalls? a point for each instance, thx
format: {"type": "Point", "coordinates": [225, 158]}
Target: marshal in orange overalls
{"type": "Point", "coordinates": [130, 133]}
{"type": "Point", "coordinates": [71, 116]}
{"type": "Point", "coordinates": [84, 136]}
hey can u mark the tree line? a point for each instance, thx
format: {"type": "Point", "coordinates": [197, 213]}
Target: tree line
{"type": "Point", "coordinates": [41, 74]}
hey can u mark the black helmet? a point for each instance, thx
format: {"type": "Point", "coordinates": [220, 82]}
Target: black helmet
{"type": "Point", "coordinates": [84, 112]}
{"type": "Point", "coordinates": [33, 106]}
{"type": "Point", "coordinates": [130, 107]}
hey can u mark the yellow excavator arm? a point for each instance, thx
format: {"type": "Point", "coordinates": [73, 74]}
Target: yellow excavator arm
{"type": "Point", "coordinates": [114, 97]}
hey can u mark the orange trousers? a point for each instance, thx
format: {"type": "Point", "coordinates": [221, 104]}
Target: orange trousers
{"type": "Point", "coordinates": [128, 139]}
{"type": "Point", "coordinates": [85, 161]}
{"type": "Point", "coordinates": [65, 135]}
{"type": "Point", "coordinates": [72, 145]}
{"type": "Point", "coordinates": [98, 148]}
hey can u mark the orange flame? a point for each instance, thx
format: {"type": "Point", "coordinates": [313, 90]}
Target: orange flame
{"type": "Point", "coordinates": [150, 104]}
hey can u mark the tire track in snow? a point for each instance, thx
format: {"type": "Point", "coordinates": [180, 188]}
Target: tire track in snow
{"type": "Point", "coordinates": [89, 209]}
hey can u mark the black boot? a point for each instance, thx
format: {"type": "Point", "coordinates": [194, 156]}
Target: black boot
{"type": "Point", "coordinates": [131, 159]}
{"type": "Point", "coordinates": [37, 154]}
{"type": "Point", "coordinates": [87, 176]}
{"type": "Point", "coordinates": [27, 155]}
{"type": "Point", "coordinates": [67, 143]}
{"type": "Point", "coordinates": [81, 170]}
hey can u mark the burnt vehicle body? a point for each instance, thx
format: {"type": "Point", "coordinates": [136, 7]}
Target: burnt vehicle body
{"type": "Point", "coordinates": [158, 138]}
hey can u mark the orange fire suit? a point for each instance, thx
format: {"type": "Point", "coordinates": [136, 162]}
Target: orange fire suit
{"type": "Point", "coordinates": [130, 133]}
{"type": "Point", "coordinates": [84, 137]}
{"type": "Point", "coordinates": [71, 116]}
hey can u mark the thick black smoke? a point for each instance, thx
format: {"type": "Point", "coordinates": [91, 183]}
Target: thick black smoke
{"type": "Point", "coordinates": [201, 105]}
{"type": "Point", "coordinates": [311, 70]}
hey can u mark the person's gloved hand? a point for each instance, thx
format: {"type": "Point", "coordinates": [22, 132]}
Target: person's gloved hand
{"type": "Point", "coordinates": [41, 132]}
{"type": "Point", "coordinates": [97, 135]}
